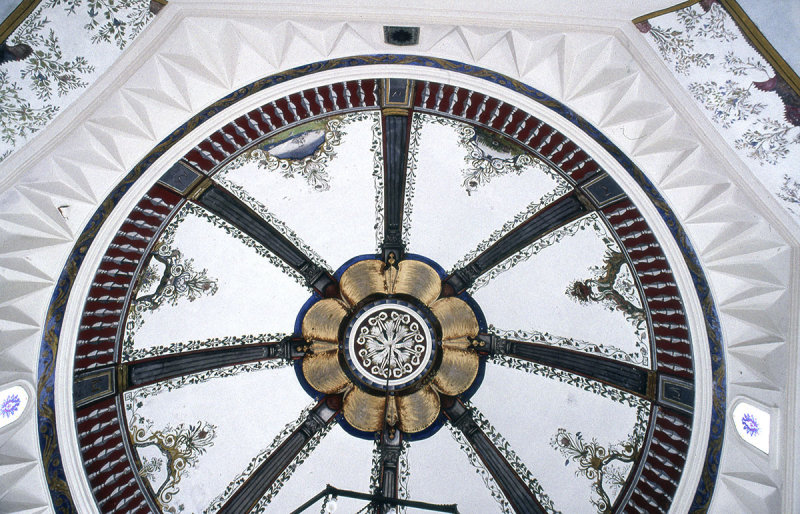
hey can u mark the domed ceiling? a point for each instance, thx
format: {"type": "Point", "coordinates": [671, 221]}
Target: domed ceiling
{"type": "Point", "coordinates": [418, 282]}
{"type": "Point", "coordinates": [386, 282]}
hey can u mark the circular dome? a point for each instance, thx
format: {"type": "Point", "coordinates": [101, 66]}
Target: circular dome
{"type": "Point", "coordinates": [511, 313]}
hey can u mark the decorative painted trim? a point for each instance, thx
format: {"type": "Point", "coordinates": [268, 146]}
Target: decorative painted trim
{"type": "Point", "coordinates": [666, 10]}
{"type": "Point", "coordinates": [260, 209]}
{"type": "Point", "coordinates": [741, 86]}
{"type": "Point", "coordinates": [201, 344]}
{"type": "Point", "coordinates": [480, 469]}
{"type": "Point", "coordinates": [663, 464]}
{"type": "Point", "coordinates": [587, 384]}
{"type": "Point", "coordinates": [51, 457]}
{"type": "Point", "coordinates": [297, 108]}
{"type": "Point", "coordinates": [545, 338]}
{"type": "Point", "coordinates": [508, 453]}
{"type": "Point", "coordinates": [287, 430]}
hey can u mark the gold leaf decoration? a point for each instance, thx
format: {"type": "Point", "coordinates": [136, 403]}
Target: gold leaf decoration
{"type": "Point", "coordinates": [323, 319]}
{"type": "Point", "coordinates": [363, 410]}
{"type": "Point", "coordinates": [456, 318]}
{"type": "Point", "coordinates": [417, 279]}
{"type": "Point", "coordinates": [418, 410]}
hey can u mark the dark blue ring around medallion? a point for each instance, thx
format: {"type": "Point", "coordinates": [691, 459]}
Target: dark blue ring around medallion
{"type": "Point", "coordinates": [382, 386]}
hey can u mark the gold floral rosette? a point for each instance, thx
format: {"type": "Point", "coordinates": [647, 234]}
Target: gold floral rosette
{"type": "Point", "coordinates": [421, 346]}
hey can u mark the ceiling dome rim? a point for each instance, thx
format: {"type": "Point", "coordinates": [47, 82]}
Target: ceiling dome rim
{"type": "Point", "coordinates": [150, 176]}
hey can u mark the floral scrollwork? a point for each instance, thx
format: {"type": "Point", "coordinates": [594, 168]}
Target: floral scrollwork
{"type": "Point", "coordinates": [601, 465]}
{"type": "Point", "coordinates": [177, 280]}
{"type": "Point", "coordinates": [179, 448]}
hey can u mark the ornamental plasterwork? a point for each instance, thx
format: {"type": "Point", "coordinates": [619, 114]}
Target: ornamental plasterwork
{"type": "Point", "coordinates": [34, 90]}
{"type": "Point", "coordinates": [754, 109]}
{"type": "Point", "coordinates": [728, 246]}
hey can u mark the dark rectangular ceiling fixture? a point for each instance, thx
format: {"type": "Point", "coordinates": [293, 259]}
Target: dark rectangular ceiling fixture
{"type": "Point", "coordinates": [401, 36]}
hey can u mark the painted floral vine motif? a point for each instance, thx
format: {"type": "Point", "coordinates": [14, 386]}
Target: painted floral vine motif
{"type": "Point", "coordinates": [604, 466]}
{"type": "Point", "coordinates": [130, 354]}
{"type": "Point", "coordinates": [607, 350]}
{"type": "Point", "coordinates": [178, 447]}
{"type": "Point", "coordinates": [46, 70]}
{"type": "Point", "coordinates": [730, 102]}
{"type": "Point", "coordinates": [178, 279]}
{"type": "Point", "coordinates": [20, 119]}
{"type": "Point", "coordinates": [769, 142]}
{"type": "Point", "coordinates": [504, 448]}
{"type": "Point", "coordinates": [790, 193]}
{"type": "Point", "coordinates": [217, 503]}
{"type": "Point", "coordinates": [404, 472]}
{"type": "Point", "coordinates": [480, 468]}
{"type": "Point", "coordinates": [32, 91]}
{"type": "Point", "coordinates": [110, 21]}
{"type": "Point", "coordinates": [489, 156]}
{"type": "Point", "coordinates": [260, 209]}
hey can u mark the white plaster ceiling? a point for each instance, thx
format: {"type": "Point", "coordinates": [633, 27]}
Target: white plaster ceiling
{"type": "Point", "coordinates": [192, 54]}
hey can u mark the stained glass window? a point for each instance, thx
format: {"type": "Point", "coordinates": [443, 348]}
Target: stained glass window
{"type": "Point", "coordinates": [13, 401]}
{"type": "Point", "coordinates": [752, 424]}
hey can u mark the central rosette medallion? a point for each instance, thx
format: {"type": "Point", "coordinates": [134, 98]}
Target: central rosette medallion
{"type": "Point", "coordinates": [391, 345]}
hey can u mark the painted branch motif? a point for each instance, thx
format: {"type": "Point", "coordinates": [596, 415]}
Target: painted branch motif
{"type": "Point", "coordinates": [729, 83]}
{"type": "Point", "coordinates": [790, 193]}
{"type": "Point", "coordinates": [600, 464]}
{"type": "Point", "coordinates": [177, 449]}
{"type": "Point", "coordinates": [32, 91]}
{"type": "Point", "coordinates": [178, 279]}
{"type": "Point", "coordinates": [611, 286]}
